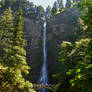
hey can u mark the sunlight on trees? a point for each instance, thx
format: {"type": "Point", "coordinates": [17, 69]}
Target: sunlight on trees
{"type": "Point", "coordinates": [76, 59]}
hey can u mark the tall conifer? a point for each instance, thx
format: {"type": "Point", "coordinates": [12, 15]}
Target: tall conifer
{"type": "Point", "coordinates": [68, 4]}
{"type": "Point", "coordinates": [60, 5]}
{"type": "Point", "coordinates": [54, 8]}
{"type": "Point", "coordinates": [14, 57]}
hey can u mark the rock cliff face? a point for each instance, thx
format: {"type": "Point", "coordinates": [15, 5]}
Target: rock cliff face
{"type": "Point", "coordinates": [60, 28]}
{"type": "Point", "coordinates": [33, 34]}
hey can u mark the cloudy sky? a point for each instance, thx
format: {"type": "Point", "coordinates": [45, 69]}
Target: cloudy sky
{"type": "Point", "coordinates": [44, 3]}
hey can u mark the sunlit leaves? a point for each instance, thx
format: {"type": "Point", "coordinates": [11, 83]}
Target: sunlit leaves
{"type": "Point", "coordinates": [76, 59]}
{"type": "Point", "coordinates": [19, 50]}
{"type": "Point", "coordinates": [69, 72]}
{"type": "Point", "coordinates": [82, 43]}
{"type": "Point", "coordinates": [78, 71]}
{"type": "Point", "coordinates": [14, 54]}
{"type": "Point", "coordinates": [66, 44]}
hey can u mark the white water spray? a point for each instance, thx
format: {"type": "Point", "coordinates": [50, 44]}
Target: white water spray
{"type": "Point", "coordinates": [44, 74]}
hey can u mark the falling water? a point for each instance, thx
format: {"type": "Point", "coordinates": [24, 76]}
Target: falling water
{"type": "Point", "coordinates": [44, 75]}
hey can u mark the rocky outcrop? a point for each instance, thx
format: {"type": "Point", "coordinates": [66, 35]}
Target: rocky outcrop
{"type": "Point", "coordinates": [33, 34]}
{"type": "Point", "coordinates": [60, 28]}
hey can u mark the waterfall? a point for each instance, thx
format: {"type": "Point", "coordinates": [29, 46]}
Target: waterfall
{"type": "Point", "coordinates": [44, 74]}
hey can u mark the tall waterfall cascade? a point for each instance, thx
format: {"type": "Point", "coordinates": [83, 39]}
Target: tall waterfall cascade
{"type": "Point", "coordinates": [44, 73]}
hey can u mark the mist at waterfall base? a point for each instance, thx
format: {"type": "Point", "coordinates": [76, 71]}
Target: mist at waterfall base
{"type": "Point", "coordinates": [43, 79]}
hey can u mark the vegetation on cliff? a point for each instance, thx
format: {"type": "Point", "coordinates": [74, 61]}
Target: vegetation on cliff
{"type": "Point", "coordinates": [74, 73]}
{"type": "Point", "coordinates": [75, 60]}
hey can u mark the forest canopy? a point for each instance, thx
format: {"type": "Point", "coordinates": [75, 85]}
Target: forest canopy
{"type": "Point", "coordinates": [74, 72]}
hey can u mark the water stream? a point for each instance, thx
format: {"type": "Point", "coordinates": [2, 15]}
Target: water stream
{"type": "Point", "coordinates": [44, 73]}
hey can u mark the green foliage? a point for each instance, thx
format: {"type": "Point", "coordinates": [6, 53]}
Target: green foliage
{"type": "Point", "coordinates": [73, 4]}
{"type": "Point", "coordinates": [18, 25]}
{"type": "Point", "coordinates": [14, 55]}
{"type": "Point", "coordinates": [79, 30]}
{"type": "Point", "coordinates": [0, 6]}
{"type": "Point", "coordinates": [40, 12]}
{"type": "Point", "coordinates": [29, 9]}
{"type": "Point", "coordinates": [60, 5]}
{"type": "Point", "coordinates": [87, 16]}
{"type": "Point", "coordinates": [3, 2]}
{"type": "Point", "coordinates": [75, 66]}
{"type": "Point", "coordinates": [68, 4]}
{"type": "Point", "coordinates": [54, 8]}
{"type": "Point", "coordinates": [80, 71]}
{"type": "Point", "coordinates": [48, 13]}
{"type": "Point", "coordinates": [75, 60]}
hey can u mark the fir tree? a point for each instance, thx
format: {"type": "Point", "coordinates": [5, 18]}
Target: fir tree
{"type": "Point", "coordinates": [60, 5]}
{"type": "Point", "coordinates": [54, 8]}
{"type": "Point", "coordinates": [6, 33]}
{"type": "Point", "coordinates": [18, 32]}
{"type": "Point", "coordinates": [48, 12]}
{"type": "Point", "coordinates": [40, 12]}
{"type": "Point", "coordinates": [14, 57]}
{"type": "Point", "coordinates": [6, 27]}
{"type": "Point", "coordinates": [68, 4]}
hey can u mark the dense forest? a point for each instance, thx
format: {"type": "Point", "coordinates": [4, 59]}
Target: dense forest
{"type": "Point", "coordinates": [75, 59]}
{"type": "Point", "coordinates": [74, 68]}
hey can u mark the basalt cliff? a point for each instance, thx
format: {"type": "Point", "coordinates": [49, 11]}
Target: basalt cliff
{"type": "Point", "coordinates": [60, 28]}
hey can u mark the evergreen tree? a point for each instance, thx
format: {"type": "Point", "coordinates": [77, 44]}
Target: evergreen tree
{"type": "Point", "coordinates": [40, 12]}
{"type": "Point", "coordinates": [14, 4]}
{"type": "Point", "coordinates": [18, 32]}
{"type": "Point", "coordinates": [6, 27]}
{"type": "Point", "coordinates": [14, 57]}
{"type": "Point", "coordinates": [54, 8]}
{"type": "Point", "coordinates": [58, 2]}
{"type": "Point", "coordinates": [68, 4]}
{"type": "Point", "coordinates": [60, 5]}
{"type": "Point", "coordinates": [6, 33]}
{"type": "Point", "coordinates": [31, 12]}
{"type": "Point", "coordinates": [48, 12]}
{"type": "Point", "coordinates": [29, 9]}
